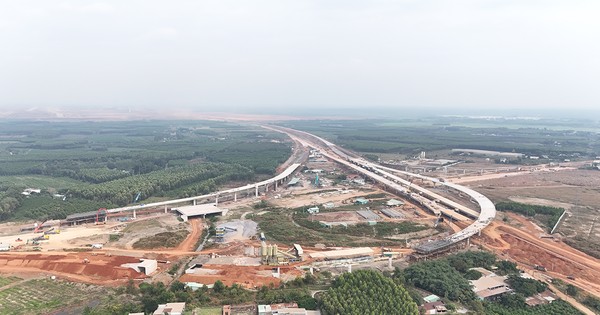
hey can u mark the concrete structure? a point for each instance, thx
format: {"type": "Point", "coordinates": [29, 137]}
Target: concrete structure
{"type": "Point", "coordinates": [145, 266]}
{"type": "Point", "coordinates": [435, 308]}
{"type": "Point", "coordinates": [299, 250]}
{"type": "Point", "coordinates": [490, 287]}
{"type": "Point", "coordinates": [313, 210]}
{"type": "Point", "coordinates": [545, 297]}
{"type": "Point", "coordinates": [329, 205]}
{"type": "Point", "coordinates": [395, 184]}
{"type": "Point", "coordinates": [343, 253]}
{"type": "Point", "coordinates": [170, 309]}
{"type": "Point", "coordinates": [431, 298]}
{"type": "Point", "coordinates": [368, 215]}
{"type": "Point", "coordinates": [394, 203]}
{"type": "Point", "coordinates": [361, 201]}
{"type": "Point", "coordinates": [250, 189]}
{"type": "Point", "coordinates": [294, 181]}
{"type": "Point", "coordinates": [284, 309]}
{"type": "Point", "coordinates": [86, 217]}
{"type": "Point", "coordinates": [392, 213]}
{"type": "Point", "coordinates": [203, 210]}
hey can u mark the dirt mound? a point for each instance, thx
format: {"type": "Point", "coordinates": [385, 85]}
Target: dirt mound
{"type": "Point", "coordinates": [100, 269]}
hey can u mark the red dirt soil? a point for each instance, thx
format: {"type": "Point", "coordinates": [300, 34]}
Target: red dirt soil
{"type": "Point", "coordinates": [100, 269]}
{"type": "Point", "coordinates": [190, 241]}
{"type": "Point", "coordinates": [524, 246]}
{"type": "Point", "coordinates": [246, 276]}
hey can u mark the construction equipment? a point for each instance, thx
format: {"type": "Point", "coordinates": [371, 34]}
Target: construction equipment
{"type": "Point", "coordinates": [38, 228]}
{"type": "Point", "coordinates": [33, 242]}
{"type": "Point", "coordinates": [18, 240]}
{"type": "Point", "coordinates": [86, 261]}
{"type": "Point", "coordinates": [438, 220]}
{"type": "Point", "coordinates": [540, 268]}
{"type": "Point", "coordinates": [52, 231]}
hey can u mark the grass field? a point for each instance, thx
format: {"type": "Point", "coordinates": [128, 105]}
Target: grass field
{"type": "Point", "coordinates": [41, 296]}
{"type": "Point", "coordinates": [209, 311]}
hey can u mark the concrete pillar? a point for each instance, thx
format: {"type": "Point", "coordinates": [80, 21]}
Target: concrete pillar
{"type": "Point", "coordinates": [194, 202]}
{"type": "Point", "coordinates": [166, 209]}
{"type": "Point", "coordinates": [134, 215]}
{"type": "Point", "coordinates": [217, 200]}
{"type": "Point", "coordinates": [234, 197]}
{"type": "Point", "coordinates": [266, 188]}
{"type": "Point", "coordinates": [275, 186]}
{"type": "Point", "coordinates": [256, 190]}
{"type": "Point", "coordinates": [349, 268]}
{"type": "Point", "coordinates": [390, 262]}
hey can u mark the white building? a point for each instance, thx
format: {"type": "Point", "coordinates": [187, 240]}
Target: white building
{"type": "Point", "coordinates": [170, 309]}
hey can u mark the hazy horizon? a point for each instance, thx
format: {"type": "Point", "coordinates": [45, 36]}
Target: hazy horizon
{"type": "Point", "coordinates": [301, 56]}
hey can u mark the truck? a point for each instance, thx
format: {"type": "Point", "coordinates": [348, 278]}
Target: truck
{"type": "Point", "coordinates": [539, 267]}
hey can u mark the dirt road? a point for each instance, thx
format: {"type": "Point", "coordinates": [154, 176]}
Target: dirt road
{"type": "Point", "coordinates": [524, 246]}
{"type": "Point", "coordinates": [189, 243]}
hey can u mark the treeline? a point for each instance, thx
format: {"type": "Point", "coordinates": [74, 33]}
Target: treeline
{"type": "Point", "coordinates": [122, 191]}
{"type": "Point", "coordinates": [559, 307]}
{"type": "Point", "coordinates": [552, 213]}
{"type": "Point", "coordinates": [45, 207]}
{"type": "Point", "coordinates": [367, 292]}
{"type": "Point", "coordinates": [411, 137]}
{"type": "Point", "coordinates": [10, 200]}
{"type": "Point", "coordinates": [448, 277]}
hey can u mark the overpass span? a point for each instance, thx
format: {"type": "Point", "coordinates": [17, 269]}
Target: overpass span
{"type": "Point", "coordinates": [376, 172]}
{"type": "Point", "coordinates": [275, 181]}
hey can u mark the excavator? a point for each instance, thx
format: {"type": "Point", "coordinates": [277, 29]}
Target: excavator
{"type": "Point", "coordinates": [38, 229]}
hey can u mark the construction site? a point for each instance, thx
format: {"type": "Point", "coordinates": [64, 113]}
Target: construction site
{"type": "Point", "coordinates": [226, 235]}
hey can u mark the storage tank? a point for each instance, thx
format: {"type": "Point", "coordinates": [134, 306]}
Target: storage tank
{"type": "Point", "coordinates": [263, 249]}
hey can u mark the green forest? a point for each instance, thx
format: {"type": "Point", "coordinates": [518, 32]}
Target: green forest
{"type": "Point", "coordinates": [83, 166]}
{"type": "Point", "coordinates": [411, 136]}
{"type": "Point", "coordinates": [367, 292]}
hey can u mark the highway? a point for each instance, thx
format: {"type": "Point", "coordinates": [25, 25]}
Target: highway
{"type": "Point", "coordinates": [287, 172]}
{"type": "Point", "coordinates": [382, 175]}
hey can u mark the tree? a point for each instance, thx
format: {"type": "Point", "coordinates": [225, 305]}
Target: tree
{"type": "Point", "coordinates": [572, 290]}
{"type": "Point", "coordinates": [367, 292]}
{"type": "Point", "coordinates": [218, 287]}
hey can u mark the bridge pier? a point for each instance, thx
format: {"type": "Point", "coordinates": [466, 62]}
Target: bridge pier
{"type": "Point", "coordinates": [194, 202]}
{"type": "Point", "coordinates": [166, 209]}
{"type": "Point", "coordinates": [134, 214]}
{"type": "Point", "coordinates": [234, 197]}
{"type": "Point", "coordinates": [256, 188]}
{"type": "Point", "coordinates": [217, 200]}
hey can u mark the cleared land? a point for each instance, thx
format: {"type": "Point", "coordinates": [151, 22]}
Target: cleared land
{"type": "Point", "coordinates": [575, 190]}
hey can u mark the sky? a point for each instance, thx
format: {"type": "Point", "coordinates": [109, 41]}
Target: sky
{"type": "Point", "coordinates": [260, 55]}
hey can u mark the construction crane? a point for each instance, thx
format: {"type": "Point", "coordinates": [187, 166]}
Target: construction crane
{"type": "Point", "coordinates": [38, 228]}
{"type": "Point", "coordinates": [137, 197]}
